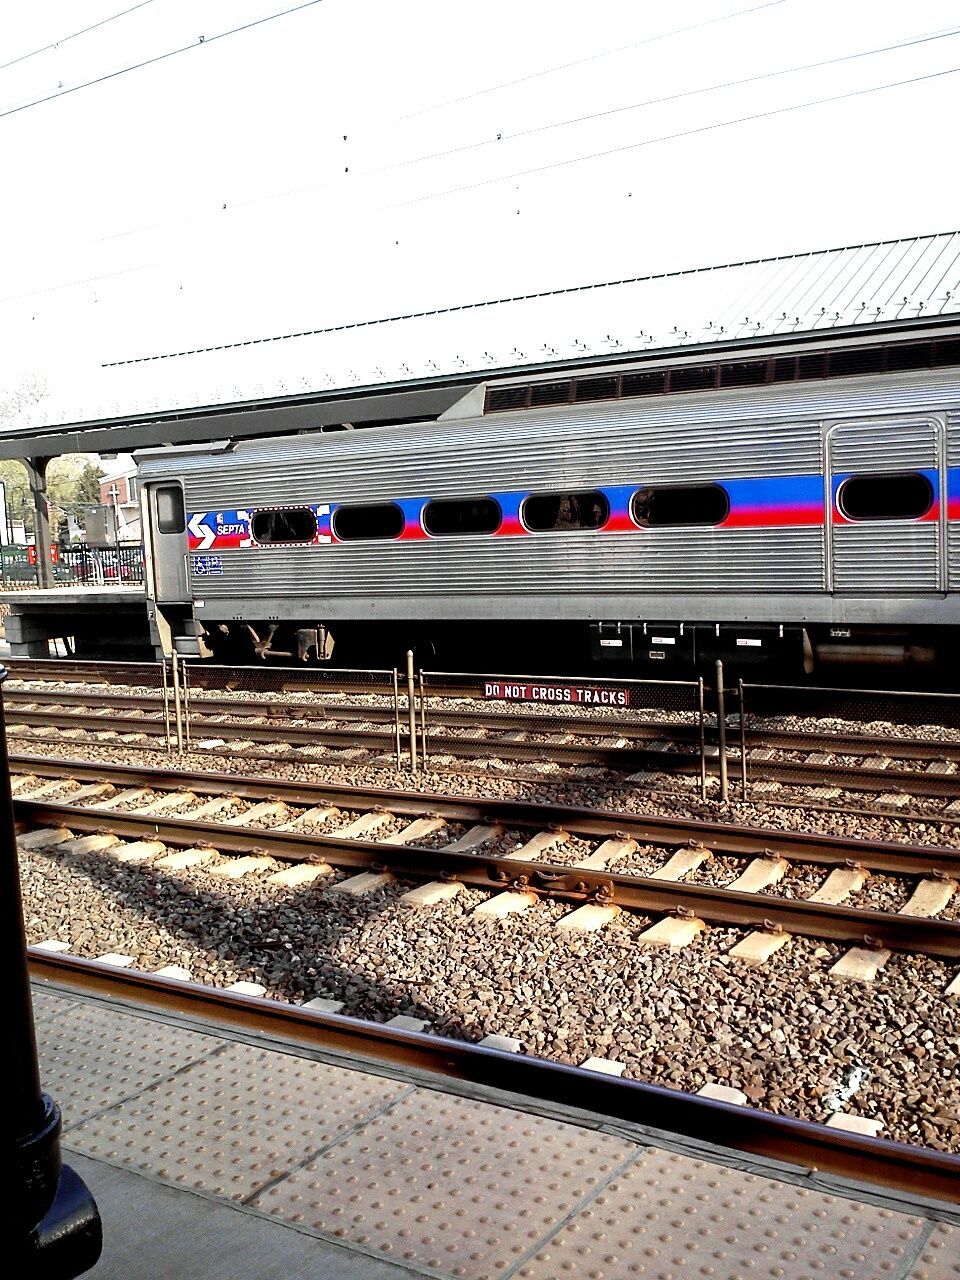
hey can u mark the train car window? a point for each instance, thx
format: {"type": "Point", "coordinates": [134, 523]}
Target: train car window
{"type": "Point", "coordinates": [899, 495]}
{"type": "Point", "coordinates": [462, 515]}
{"type": "Point", "coordinates": [545, 512]}
{"type": "Point", "coordinates": [680, 504]}
{"type": "Point", "coordinates": [171, 517]}
{"type": "Point", "coordinates": [295, 524]}
{"type": "Point", "coordinates": [356, 524]}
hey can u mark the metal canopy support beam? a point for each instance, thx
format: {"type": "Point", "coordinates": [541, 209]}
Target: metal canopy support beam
{"type": "Point", "coordinates": [37, 476]}
{"type": "Point", "coordinates": [254, 420]}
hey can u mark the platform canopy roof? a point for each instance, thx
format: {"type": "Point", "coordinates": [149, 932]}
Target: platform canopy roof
{"type": "Point", "coordinates": [388, 368]}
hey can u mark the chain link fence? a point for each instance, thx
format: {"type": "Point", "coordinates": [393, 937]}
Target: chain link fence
{"type": "Point", "coordinates": [115, 703]}
{"type": "Point", "coordinates": [329, 715]}
{"type": "Point", "coordinates": [656, 730]}
{"type": "Point", "coordinates": [886, 749]}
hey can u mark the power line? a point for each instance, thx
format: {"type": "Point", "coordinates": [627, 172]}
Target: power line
{"type": "Point", "coordinates": [593, 57]}
{"type": "Point", "coordinates": [74, 35]}
{"type": "Point", "coordinates": [652, 102]}
{"type": "Point", "coordinates": [672, 137]}
{"type": "Point", "coordinates": [160, 57]}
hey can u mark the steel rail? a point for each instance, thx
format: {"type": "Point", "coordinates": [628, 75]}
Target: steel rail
{"type": "Point", "coordinates": [781, 739]}
{"type": "Point", "coordinates": [918, 1171]}
{"type": "Point", "coordinates": [719, 837]}
{"type": "Point", "coordinates": [624, 759]}
{"type": "Point", "coordinates": [723, 907]}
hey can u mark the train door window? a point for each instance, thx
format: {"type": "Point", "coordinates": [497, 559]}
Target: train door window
{"type": "Point", "coordinates": [462, 515]}
{"type": "Point", "coordinates": [358, 524]}
{"type": "Point", "coordinates": [288, 524]}
{"type": "Point", "coordinates": [549, 512]}
{"type": "Point", "coordinates": [899, 495]}
{"type": "Point", "coordinates": [171, 517]}
{"type": "Point", "coordinates": [680, 504]}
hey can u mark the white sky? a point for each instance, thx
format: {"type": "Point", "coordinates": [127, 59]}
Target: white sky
{"type": "Point", "coordinates": [275, 179]}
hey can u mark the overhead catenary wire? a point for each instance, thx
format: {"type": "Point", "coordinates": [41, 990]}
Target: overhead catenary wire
{"type": "Point", "coordinates": [199, 43]}
{"type": "Point", "coordinates": [593, 57]}
{"type": "Point", "coordinates": [559, 164]}
{"type": "Point", "coordinates": [907, 42]}
{"type": "Point", "coordinates": [672, 137]}
{"type": "Point", "coordinates": [74, 35]}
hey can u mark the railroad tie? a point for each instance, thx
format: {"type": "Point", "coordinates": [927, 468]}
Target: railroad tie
{"type": "Point", "coordinates": [265, 809]}
{"type": "Point", "coordinates": [25, 782]}
{"type": "Point", "coordinates": [319, 814]}
{"type": "Point", "coordinates": [363, 825]}
{"type": "Point", "coordinates": [609, 852]}
{"type": "Point", "coordinates": [759, 946]}
{"type": "Point", "coordinates": [92, 791]}
{"type": "Point", "coordinates": [861, 964]}
{"type": "Point", "coordinates": [126, 797]}
{"type": "Point", "coordinates": [139, 851]}
{"type": "Point", "coordinates": [508, 903]}
{"type": "Point", "coordinates": [604, 1066]}
{"type": "Point", "coordinates": [472, 839]}
{"type": "Point", "coordinates": [236, 868]}
{"type": "Point", "coordinates": [682, 863]}
{"type": "Point", "coordinates": [403, 1022]}
{"type": "Point", "coordinates": [213, 807]}
{"type": "Point", "coordinates": [321, 1004]}
{"type": "Point", "coordinates": [95, 843]}
{"type": "Point", "coordinates": [365, 882]}
{"type": "Point", "coordinates": [588, 918]}
{"type": "Point", "coordinates": [542, 842]}
{"type": "Point", "coordinates": [416, 830]}
{"type": "Point", "coordinates": [759, 875]}
{"type": "Point", "coordinates": [44, 838]}
{"type": "Point", "coordinates": [300, 873]}
{"type": "Point", "coordinates": [164, 803]}
{"type": "Point", "coordinates": [672, 931]}
{"type": "Point", "coordinates": [839, 884]}
{"type": "Point", "coordinates": [954, 987]}
{"type": "Point", "coordinates": [184, 858]}
{"type": "Point", "coordinates": [175, 972]}
{"type": "Point", "coordinates": [723, 1093]}
{"type": "Point", "coordinates": [428, 895]}
{"type": "Point", "coordinates": [929, 897]}
{"type": "Point", "coordinates": [50, 787]}
{"type": "Point", "coordinates": [505, 1044]}
{"type": "Point", "coordinates": [864, 1125]}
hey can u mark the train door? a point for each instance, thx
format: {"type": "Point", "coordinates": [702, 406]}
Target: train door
{"type": "Point", "coordinates": [886, 506]}
{"type": "Point", "coordinates": [168, 541]}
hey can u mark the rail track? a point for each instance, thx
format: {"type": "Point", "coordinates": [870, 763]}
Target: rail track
{"type": "Point", "coordinates": [913, 1169]}
{"type": "Point", "coordinates": [625, 746]}
{"type": "Point", "coordinates": [505, 846]}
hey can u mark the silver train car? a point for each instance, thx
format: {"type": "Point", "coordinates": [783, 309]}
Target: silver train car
{"type": "Point", "coordinates": [804, 522]}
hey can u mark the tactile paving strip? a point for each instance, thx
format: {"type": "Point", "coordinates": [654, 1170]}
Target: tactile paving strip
{"type": "Point", "coordinates": [456, 1186]}
{"type": "Point", "coordinates": [234, 1123]}
{"type": "Point", "coordinates": [670, 1217]}
{"type": "Point", "coordinates": [92, 1057]}
{"type": "Point", "coordinates": [940, 1257]}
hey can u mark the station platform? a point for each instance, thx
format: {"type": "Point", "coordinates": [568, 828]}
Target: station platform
{"type": "Point", "coordinates": [214, 1154]}
{"type": "Point", "coordinates": [100, 620]}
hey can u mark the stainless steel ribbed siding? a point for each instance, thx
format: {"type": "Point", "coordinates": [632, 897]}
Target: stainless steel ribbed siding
{"type": "Point", "coordinates": [893, 555]}
{"type": "Point", "coordinates": [696, 561]}
{"type": "Point", "coordinates": [865, 562]}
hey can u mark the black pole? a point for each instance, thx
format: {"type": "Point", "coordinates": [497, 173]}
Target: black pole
{"type": "Point", "coordinates": [52, 1221]}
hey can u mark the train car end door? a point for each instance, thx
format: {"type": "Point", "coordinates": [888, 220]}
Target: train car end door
{"type": "Point", "coordinates": [168, 541]}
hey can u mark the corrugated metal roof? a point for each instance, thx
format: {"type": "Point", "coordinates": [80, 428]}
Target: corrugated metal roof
{"type": "Point", "coordinates": [850, 288]}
